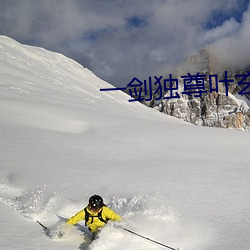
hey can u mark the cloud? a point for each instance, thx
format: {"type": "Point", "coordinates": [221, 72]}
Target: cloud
{"type": "Point", "coordinates": [229, 27]}
{"type": "Point", "coordinates": [233, 49]}
{"type": "Point", "coordinates": [118, 39]}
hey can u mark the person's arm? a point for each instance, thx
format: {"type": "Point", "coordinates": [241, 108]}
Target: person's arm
{"type": "Point", "coordinates": [110, 214]}
{"type": "Point", "coordinates": [77, 217]}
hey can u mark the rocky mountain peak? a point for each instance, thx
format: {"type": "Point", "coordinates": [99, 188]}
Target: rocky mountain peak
{"type": "Point", "coordinates": [218, 105]}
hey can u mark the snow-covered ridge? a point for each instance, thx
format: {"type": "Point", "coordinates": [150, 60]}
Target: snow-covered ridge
{"type": "Point", "coordinates": [33, 74]}
{"type": "Point", "coordinates": [34, 68]}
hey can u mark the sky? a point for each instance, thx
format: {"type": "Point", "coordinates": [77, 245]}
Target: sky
{"type": "Point", "coordinates": [122, 39]}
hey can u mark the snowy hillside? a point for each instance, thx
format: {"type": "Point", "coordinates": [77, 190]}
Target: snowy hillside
{"type": "Point", "coordinates": [62, 140]}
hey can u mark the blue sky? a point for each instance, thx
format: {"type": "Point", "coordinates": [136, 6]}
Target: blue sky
{"type": "Point", "coordinates": [218, 17]}
{"type": "Point", "coordinates": [122, 39]}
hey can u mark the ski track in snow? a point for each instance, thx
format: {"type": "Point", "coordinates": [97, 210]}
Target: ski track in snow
{"type": "Point", "coordinates": [43, 117]}
{"type": "Point", "coordinates": [145, 214]}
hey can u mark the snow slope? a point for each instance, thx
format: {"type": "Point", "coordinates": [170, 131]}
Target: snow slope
{"type": "Point", "coordinates": [62, 140]}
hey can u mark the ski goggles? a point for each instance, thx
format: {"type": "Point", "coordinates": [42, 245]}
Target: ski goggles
{"type": "Point", "coordinates": [94, 208]}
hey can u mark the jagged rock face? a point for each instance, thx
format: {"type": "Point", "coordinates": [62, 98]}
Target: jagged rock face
{"type": "Point", "coordinates": [213, 109]}
{"type": "Point", "coordinates": [199, 62]}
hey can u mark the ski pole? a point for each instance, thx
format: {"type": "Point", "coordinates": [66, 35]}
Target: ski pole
{"type": "Point", "coordinates": [146, 238]}
{"type": "Point", "coordinates": [45, 228]}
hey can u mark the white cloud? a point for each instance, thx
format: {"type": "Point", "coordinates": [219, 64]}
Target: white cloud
{"type": "Point", "coordinates": [228, 28]}
{"type": "Point", "coordinates": [233, 50]}
{"type": "Point", "coordinates": [97, 33]}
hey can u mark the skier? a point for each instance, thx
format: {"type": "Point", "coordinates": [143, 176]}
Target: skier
{"type": "Point", "coordinates": [95, 214]}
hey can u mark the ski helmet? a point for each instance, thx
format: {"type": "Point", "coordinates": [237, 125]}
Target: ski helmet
{"type": "Point", "coordinates": [95, 202]}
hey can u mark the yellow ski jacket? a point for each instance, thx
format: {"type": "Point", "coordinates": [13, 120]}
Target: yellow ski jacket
{"type": "Point", "coordinates": [94, 223]}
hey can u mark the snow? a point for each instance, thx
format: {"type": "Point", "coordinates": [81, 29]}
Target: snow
{"type": "Point", "coordinates": [242, 100]}
{"type": "Point", "coordinates": [63, 140]}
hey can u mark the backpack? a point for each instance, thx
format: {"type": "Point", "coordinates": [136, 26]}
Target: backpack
{"type": "Point", "coordinates": [88, 216]}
